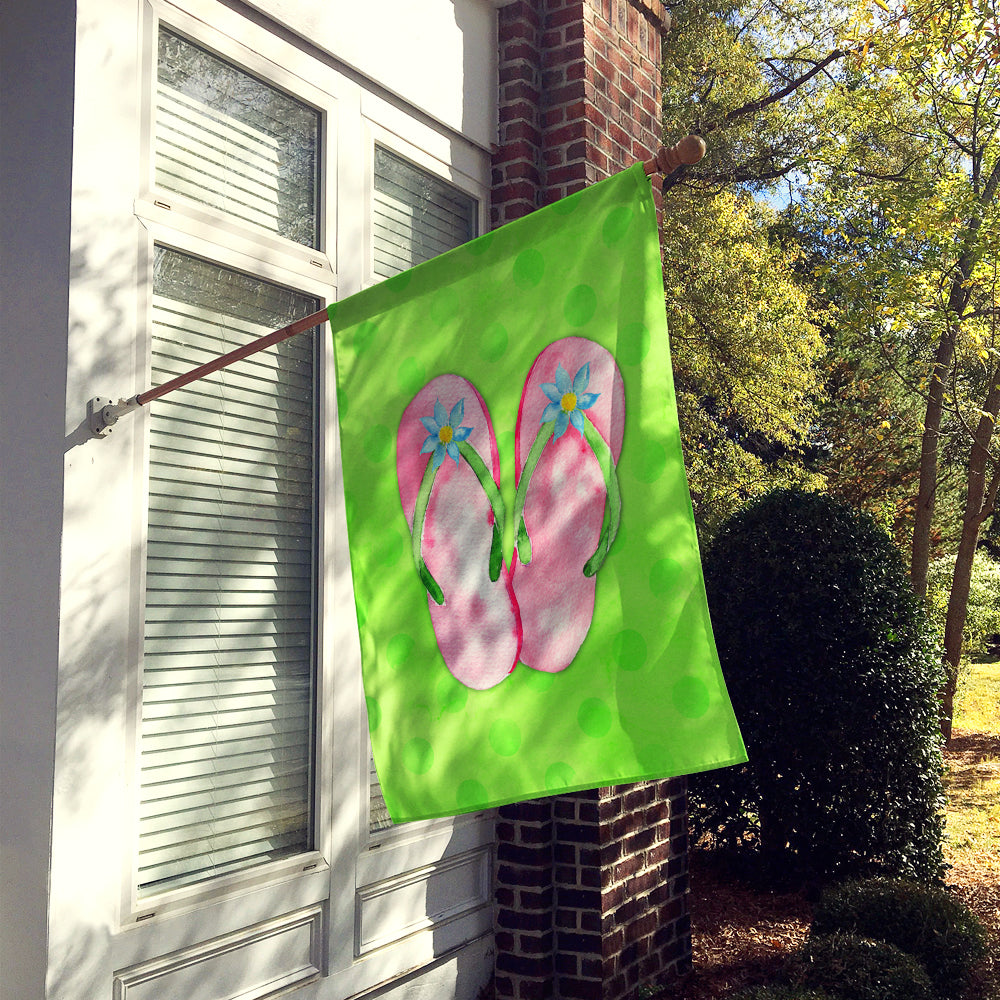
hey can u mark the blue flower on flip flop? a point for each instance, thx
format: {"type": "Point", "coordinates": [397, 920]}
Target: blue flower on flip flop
{"type": "Point", "coordinates": [568, 400]}
{"type": "Point", "coordinates": [444, 432]}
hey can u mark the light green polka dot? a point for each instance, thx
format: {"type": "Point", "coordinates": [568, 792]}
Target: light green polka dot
{"type": "Point", "coordinates": [374, 713]}
{"type": "Point", "coordinates": [480, 245]}
{"type": "Point", "coordinates": [664, 576]}
{"type": "Point", "coordinates": [418, 757]}
{"type": "Point", "coordinates": [690, 697]}
{"type": "Point", "coordinates": [399, 282]}
{"type": "Point", "coordinates": [388, 548]}
{"type": "Point", "coordinates": [443, 306]}
{"type": "Point", "coordinates": [633, 343]}
{"type": "Point", "coordinates": [505, 737]}
{"type": "Point", "coordinates": [650, 461]}
{"type": "Point", "coordinates": [529, 266]}
{"type": "Point", "coordinates": [398, 650]}
{"type": "Point", "coordinates": [629, 649]}
{"type": "Point", "coordinates": [364, 334]}
{"type": "Point", "coordinates": [411, 376]}
{"type": "Point", "coordinates": [616, 224]}
{"type": "Point", "coordinates": [493, 343]}
{"type": "Point", "coordinates": [594, 718]}
{"type": "Point", "coordinates": [538, 680]}
{"type": "Point", "coordinates": [377, 443]}
{"type": "Point", "coordinates": [558, 776]}
{"type": "Point", "coordinates": [580, 305]}
{"type": "Point", "coordinates": [451, 694]}
{"type": "Point", "coordinates": [472, 795]}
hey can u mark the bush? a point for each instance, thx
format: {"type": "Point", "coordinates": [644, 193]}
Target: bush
{"type": "Point", "coordinates": [927, 923]}
{"type": "Point", "coordinates": [833, 672]}
{"type": "Point", "coordinates": [856, 968]}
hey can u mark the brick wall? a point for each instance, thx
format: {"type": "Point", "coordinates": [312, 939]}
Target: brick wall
{"type": "Point", "coordinates": [591, 888]}
{"type": "Point", "coordinates": [579, 96]}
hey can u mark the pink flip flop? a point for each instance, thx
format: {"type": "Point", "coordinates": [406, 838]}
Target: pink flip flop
{"type": "Point", "coordinates": [447, 468]}
{"type": "Point", "coordinates": [568, 505]}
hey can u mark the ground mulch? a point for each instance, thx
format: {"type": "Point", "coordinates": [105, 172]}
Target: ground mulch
{"type": "Point", "coordinates": [742, 933]}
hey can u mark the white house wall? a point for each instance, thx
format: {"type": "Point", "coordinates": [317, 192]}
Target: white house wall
{"type": "Point", "coordinates": [74, 290]}
{"type": "Point", "coordinates": [394, 42]}
{"type": "Point", "coordinates": [36, 116]}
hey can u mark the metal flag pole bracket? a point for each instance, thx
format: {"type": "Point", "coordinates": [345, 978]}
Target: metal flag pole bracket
{"type": "Point", "coordinates": [103, 413]}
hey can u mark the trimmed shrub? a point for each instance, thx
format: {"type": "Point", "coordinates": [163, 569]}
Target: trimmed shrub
{"type": "Point", "coordinates": [856, 968]}
{"type": "Point", "coordinates": [925, 922]}
{"type": "Point", "coordinates": [833, 672]}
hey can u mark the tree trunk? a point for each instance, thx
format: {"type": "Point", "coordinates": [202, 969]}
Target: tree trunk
{"type": "Point", "coordinates": [920, 553]}
{"type": "Point", "coordinates": [979, 500]}
{"type": "Point", "coordinates": [958, 299]}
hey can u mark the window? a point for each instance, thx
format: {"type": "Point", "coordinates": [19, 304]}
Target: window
{"type": "Point", "coordinates": [228, 686]}
{"type": "Point", "coordinates": [225, 139]}
{"type": "Point", "coordinates": [229, 646]}
{"type": "Point", "coordinates": [416, 215]}
{"type": "Point", "coordinates": [274, 183]}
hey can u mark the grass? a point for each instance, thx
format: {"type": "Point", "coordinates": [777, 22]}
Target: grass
{"type": "Point", "coordinates": [973, 810]}
{"type": "Point", "coordinates": [978, 699]}
{"type": "Point", "coordinates": [973, 781]}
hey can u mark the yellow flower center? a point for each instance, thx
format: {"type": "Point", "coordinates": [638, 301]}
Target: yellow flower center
{"type": "Point", "coordinates": [568, 402]}
{"type": "Point", "coordinates": [446, 434]}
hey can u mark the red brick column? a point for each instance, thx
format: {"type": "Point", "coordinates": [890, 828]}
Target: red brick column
{"type": "Point", "coordinates": [579, 96]}
{"type": "Point", "coordinates": [591, 888]}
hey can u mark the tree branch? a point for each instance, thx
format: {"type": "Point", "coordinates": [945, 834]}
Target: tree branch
{"type": "Point", "coordinates": [754, 106]}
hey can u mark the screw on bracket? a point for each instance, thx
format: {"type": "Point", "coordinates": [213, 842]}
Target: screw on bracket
{"type": "Point", "coordinates": [103, 413]}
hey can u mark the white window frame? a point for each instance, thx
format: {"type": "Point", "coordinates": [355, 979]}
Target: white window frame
{"type": "Point", "coordinates": [349, 868]}
{"type": "Point", "coordinates": [180, 224]}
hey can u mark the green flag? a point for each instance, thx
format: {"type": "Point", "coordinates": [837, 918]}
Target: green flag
{"type": "Point", "coordinates": [526, 572]}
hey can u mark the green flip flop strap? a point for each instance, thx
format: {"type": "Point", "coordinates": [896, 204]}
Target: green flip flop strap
{"type": "Point", "coordinates": [492, 492]}
{"type": "Point", "coordinates": [482, 474]}
{"type": "Point", "coordinates": [612, 504]}
{"type": "Point", "coordinates": [521, 532]}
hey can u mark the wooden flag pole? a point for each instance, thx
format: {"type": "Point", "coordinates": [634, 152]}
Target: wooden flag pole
{"type": "Point", "coordinates": [103, 413]}
{"type": "Point", "coordinates": [688, 151]}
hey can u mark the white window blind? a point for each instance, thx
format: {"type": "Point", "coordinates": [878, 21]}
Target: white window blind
{"type": "Point", "coordinates": [228, 657]}
{"type": "Point", "coordinates": [228, 140]}
{"type": "Point", "coordinates": [416, 216]}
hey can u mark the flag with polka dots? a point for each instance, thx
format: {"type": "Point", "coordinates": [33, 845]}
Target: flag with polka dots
{"type": "Point", "coordinates": [527, 582]}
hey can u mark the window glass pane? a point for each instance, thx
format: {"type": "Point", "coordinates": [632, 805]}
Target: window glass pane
{"type": "Point", "coordinates": [416, 215]}
{"type": "Point", "coordinates": [228, 679]}
{"type": "Point", "coordinates": [231, 141]}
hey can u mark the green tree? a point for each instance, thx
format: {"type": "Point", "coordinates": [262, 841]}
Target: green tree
{"type": "Point", "coordinates": [747, 353]}
{"type": "Point", "coordinates": [910, 179]}
{"type": "Point", "coordinates": [747, 358]}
